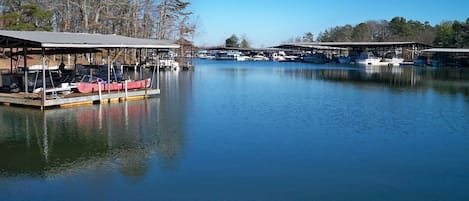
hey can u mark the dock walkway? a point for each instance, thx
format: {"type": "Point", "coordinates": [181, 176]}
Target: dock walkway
{"type": "Point", "coordinates": [62, 100]}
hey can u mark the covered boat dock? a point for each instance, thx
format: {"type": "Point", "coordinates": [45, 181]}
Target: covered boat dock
{"type": "Point", "coordinates": [49, 43]}
{"type": "Point", "coordinates": [409, 50]}
{"type": "Point", "coordinates": [458, 57]}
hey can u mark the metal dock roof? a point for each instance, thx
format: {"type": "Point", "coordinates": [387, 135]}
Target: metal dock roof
{"type": "Point", "coordinates": [446, 50]}
{"type": "Point", "coordinates": [350, 44]}
{"type": "Point", "coordinates": [311, 46]}
{"type": "Point", "coordinates": [20, 39]}
{"type": "Point", "coordinates": [355, 43]}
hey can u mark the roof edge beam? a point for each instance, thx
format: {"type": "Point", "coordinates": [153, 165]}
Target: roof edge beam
{"type": "Point", "coordinates": [55, 45]}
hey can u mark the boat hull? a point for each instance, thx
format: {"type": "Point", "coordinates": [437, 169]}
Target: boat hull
{"type": "Point", "coordinates": [315, 58]}
{"type": "Point", "coordinates": [368, 58]}
{"type": "Point", "coordinates": [393, 61]}
{"type": "Point", "coordinates": [84, 87]}
{"type": "Point", "coordinates": [345, 60]}
{"type": "Point", "coordinates": [370, 61]}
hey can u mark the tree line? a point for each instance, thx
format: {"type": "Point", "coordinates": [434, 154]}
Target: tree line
{"type": "Point", "coordinates": [159, 19]}
{"type": "Point", "coordinates": [233, 41]}
{"type": "Point", "coordinates": [446, 34]}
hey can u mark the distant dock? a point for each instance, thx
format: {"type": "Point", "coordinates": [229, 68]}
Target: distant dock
{"type": "Point", "coordinates": [385, 54]}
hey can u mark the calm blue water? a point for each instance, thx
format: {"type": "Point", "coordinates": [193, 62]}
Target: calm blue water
{"type": "Point", "coordinates": [251, 131]}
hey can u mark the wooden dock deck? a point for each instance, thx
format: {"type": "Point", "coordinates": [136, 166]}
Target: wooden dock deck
{"type": "Point", "coordinates": [68, 100]}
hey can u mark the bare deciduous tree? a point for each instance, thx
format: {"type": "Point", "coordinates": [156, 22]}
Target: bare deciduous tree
{"type": "Point", "coordinates": [161, 19]}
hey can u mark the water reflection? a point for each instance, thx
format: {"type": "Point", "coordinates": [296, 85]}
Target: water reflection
{"type": "Point", "coordinates": [389, 75]}
{"type": "Point", "coordinates": [443, 80]}
{"type": "Point", "coordinates": [45, 144]}
{"type": "Point", "coordinates": [119, 136]}
{"type": "Point", "coordinates": [176, 93]}
{"type": "Point", "coordinates": [268, 132]}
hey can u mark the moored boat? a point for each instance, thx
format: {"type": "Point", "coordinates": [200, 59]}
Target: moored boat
{"type": "Point", "coordinates": [393, 58]}
{"type": "Point", "coordinates": [344, 60]}
{"type": "Point", "coordinates": [85, 87]}
{"type": "Point", "coordinates": [395, 61]}
{"type": "Point", "coordinates": [260, 58]}
{"type": "Point", "coordinates": [368, 58]}
{"type": "Point", "coordinates": [230, 55]}
{"type": "Point", "coordinates": [421, 61]}
{"type": "Point", "coordinates": [317, 58]}
{"type": "Point", "coordinates": [202, 54]}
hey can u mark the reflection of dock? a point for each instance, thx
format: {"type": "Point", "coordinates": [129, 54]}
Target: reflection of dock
{"type": "Point", "coordinates": [58, 142]}
{"type": "Point", "coordinates": [392, 75]}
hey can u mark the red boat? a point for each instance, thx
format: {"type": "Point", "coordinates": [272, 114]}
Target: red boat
{"type": "Point", "coordinates": [85, 87]}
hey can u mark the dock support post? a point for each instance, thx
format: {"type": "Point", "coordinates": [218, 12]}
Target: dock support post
{"type": "Point", "coordinates": [26, 81]}
{"type": "Point", "coordinates": [108, 71]}
{"type": "Point", "coordinates": [11, 61]}
{"type": "Point", "coordinates": [140, 56]}
{"type": "Point", "coordinates": [99, 92]}
{"type": "Point", "coordinates": [157, 70]}
{"type": "Point", "coordinates": [135, 69]}
{"type": "Point", "coordinates": [125, 85]}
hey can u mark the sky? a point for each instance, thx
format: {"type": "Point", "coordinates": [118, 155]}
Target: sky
{"type": "Point", "coordinates": [268, 23]}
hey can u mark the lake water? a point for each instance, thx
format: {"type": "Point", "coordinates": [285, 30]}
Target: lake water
{"type": "Point", "coordinates": [251, 131]}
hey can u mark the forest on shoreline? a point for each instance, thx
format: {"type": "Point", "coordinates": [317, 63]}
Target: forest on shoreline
{"type": "Point", "coordinates": [158, 19]}
{"type": "Point", "coordinates": [171, 19]}
{"type": "Point", "coordinates": [453, 34]}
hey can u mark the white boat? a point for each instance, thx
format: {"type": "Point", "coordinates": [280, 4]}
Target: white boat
{"type": "Point", "coordinates": [224, 56]}
{"type": "Point", "coordinates": [290, 58]}
{"type": "Point", "coordinates": [230, 55]}
{"type": "Point", "coordinates": [281, 56]}
{"type": "Point", "coordinates": [211, 57]}
{"type": "Point", "coordinates": [395, 61]}
{"type": "Point", "coordinates": [242, 57]}
{"type": "Point", "coordinates": [278, 56]}
{"type": "Point", "coordinates": [368, 58]}
{"type": "Point", "coordinates": [393, 58]}
{"type": "Point", "coordinates": [202, 54]}
{"type": "Point", "coordinates": [169, 63]}
{"type": "Point", "coordinates": [259, 58]}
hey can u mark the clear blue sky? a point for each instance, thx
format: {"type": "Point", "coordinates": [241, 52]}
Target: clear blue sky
{"type": "Point", "coordinates": [270, 22]}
